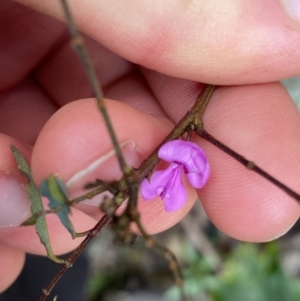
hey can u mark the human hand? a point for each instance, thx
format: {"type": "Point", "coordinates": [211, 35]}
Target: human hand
{"type": "Point", "coordinates": [244, 44]}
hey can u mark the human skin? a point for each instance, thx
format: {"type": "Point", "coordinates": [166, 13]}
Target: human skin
{"type": "Point", "coordinates": [45, 110]}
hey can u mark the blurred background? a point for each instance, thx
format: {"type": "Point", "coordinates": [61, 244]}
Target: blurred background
{"type": "Point", "coordinates": [215, 266]}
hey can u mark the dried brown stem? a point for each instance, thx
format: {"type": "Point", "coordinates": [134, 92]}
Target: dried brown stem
{"type": "Point", "coordinates": [127, 187]}
{"type": "Point", "coordinates": [169, 256]}
{"type": "Point", "coordinates": [248, 164]}
{"type": "Point", "coordinates": [149, 164]}
{"type": "Point", "coordinates": [69, 262]}
{"type": "Point", "coordinates": [79, 47]}
{"type": "Point", "coordinates": [192, 117]}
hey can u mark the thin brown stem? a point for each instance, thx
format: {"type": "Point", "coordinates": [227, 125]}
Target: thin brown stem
{"type": "Point", "coordinates": [168, 255]}
{"type": "Point", "coordinates": [248, 164]}
{"type": "Point", "coordinates": [192, 117]}
{"type": "Point", "coordinates": [127, 187]}
{"type": "Point", "coordinates": [80, 49]}
{"type": "Point", "coordinates": [71, 203]}
{"type": "Point", "coordinates": [69, 262]}
{"type": "Point", "coordinates": [130, 190]}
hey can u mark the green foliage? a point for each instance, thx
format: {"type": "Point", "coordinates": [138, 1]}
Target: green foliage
{"type": "Point", "coordinates": [251, 272]}
{"type": "Point", "coordinates": [100, 282]}
{"type": "Point", "coordinates": [36, 205]}
{"type": "Point", "coordinates": [125, 268]}
{"type": "Point", "coordinates": [55, 191]}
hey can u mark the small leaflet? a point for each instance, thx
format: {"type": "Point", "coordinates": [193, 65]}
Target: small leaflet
{"type": "Point", "coordinates": [54, 189]}
{"type": "Point", "coordinates": [36, 205]}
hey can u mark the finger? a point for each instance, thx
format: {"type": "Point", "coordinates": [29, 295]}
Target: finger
{"type": "Point", "coordinates": [15, 208]}
{"type": "Point", "coordinates": [134, 91]}
{"type": "Point", "coordinates": [22, 47]}
{"type": "Point", "coordinates": [26, 238]}
{"type": "Point", "coordinates": [24, 110]}
{"type": "Point", "coordinates": [78, 148]}
{"type": "Point", "coordinates": [63, 76]}
{"type": "Point", "coordinates": [12, 262]}
{"type": "Point", "coordinates": [231, 43]}
{"type": "Point", "coordinates": [260, 122]}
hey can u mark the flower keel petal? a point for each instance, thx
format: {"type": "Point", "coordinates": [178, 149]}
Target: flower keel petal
{"type": "Point", "coordinates": [198, 180]}
{"type": "Point", "coordinates": [159, 179]}
{"type": "Point", "coordinates": [175, 195]}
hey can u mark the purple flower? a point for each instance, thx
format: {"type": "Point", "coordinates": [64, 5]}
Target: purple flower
{"type": "Point", "coordinates": [185, 157]}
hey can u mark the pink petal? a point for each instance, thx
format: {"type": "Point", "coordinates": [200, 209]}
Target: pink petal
{"type": "Point", "coordinates": [198, 180]}
{"type": "Point", "coordinates": [158, 180]}
{"type": "Point", "coordinates": [175, 195]}
{"type": "Point", "coordinates": [191, 156]}
{"type": "Point", "coordinates": [167, 184]}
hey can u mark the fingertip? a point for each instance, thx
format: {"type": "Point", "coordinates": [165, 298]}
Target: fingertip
{"type": "Point", "coordinates": [14, 202]}
{"type": "Point", "coordinates": [26, 239]}
{"type": "Point", "coordinates": [76, 136]}
{"type": "Point", "coordinates": [262, 124]}
{"type": "Point", "coordinates": [75, 139]}
{"type": "Point", "coordinates": [156, 219]}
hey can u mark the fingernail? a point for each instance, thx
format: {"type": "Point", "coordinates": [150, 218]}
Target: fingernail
{"type": "Point", "coordinates": [104, 168]}
{"type": "Point", "coordinates": [14, 203]}
{"type": "Point", "coordinates": [292, 8]}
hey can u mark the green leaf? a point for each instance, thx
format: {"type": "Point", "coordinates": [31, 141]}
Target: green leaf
{"type": "Point", "coordinates": [36, 204]}
{"type": "Point", "coordinates": [30, 221]}
{"type": "Point", "coordinates": [55, 190]}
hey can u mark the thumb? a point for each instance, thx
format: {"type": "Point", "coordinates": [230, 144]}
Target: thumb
{"type": "Point", "coordinates": [75, 144]}
{"type": "Point", "coordinates": [232, 42]}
